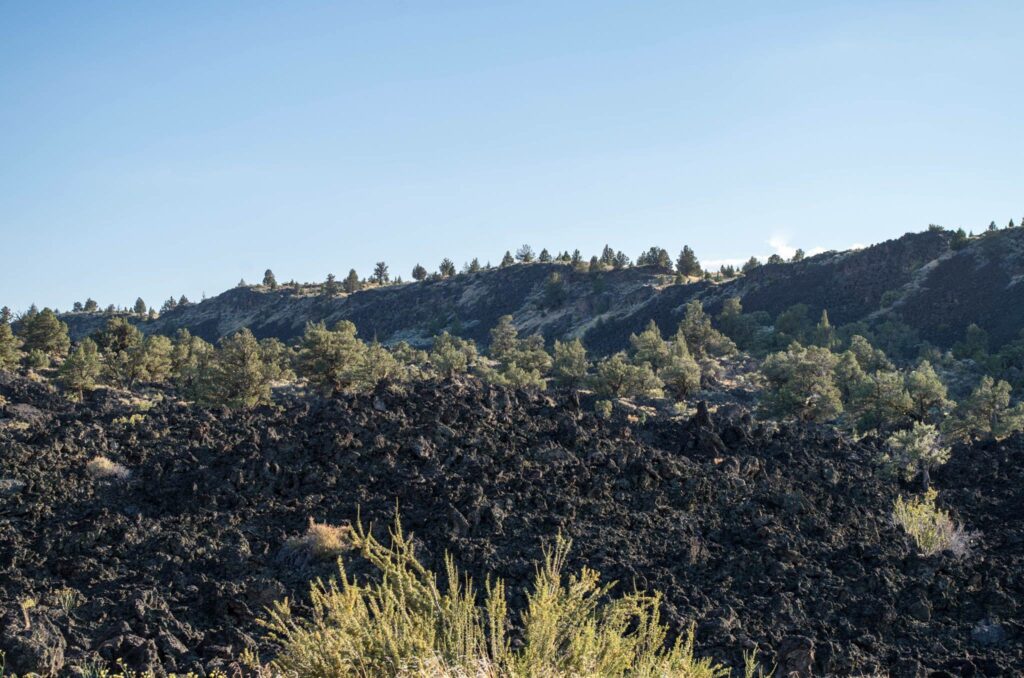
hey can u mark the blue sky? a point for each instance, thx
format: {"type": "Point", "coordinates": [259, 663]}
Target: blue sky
{"type": "Point", "coordinates": [161, 149]}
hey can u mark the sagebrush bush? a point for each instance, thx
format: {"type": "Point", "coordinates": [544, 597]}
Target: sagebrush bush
{"type": "Point", "coordinates": [408, 625]}
{"type": "Point", "coordinates": [931, 528]}
{"type": "Point", "coordinates": [319, 541]}
{"type": "Point", "coordinates": [102, 468]}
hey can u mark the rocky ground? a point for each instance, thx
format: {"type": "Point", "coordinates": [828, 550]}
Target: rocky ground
{"type": "Point", "coordinates": [770, 537]}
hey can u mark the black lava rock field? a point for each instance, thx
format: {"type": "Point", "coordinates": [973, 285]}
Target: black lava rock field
{"type": "Point", "coordinates": [769, 537]}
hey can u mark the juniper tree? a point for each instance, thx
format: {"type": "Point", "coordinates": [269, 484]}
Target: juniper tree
{"type": "Point", "coordinates": [507, 260]}
{"type": "Point", "coordinates": [824, 333]}
{"type": "Point", "coordinates": [649, 347]}
{"type": "Point", "coordinates": [702, 339]}
{"type": "Point", "coordinates": [776, 259]}
{"type": "Point", "coordinates": [607, 256]}
{"type": "Point", "coordinates": [418, 272]}
{"type": "Point", "coordinates": [82, 368]}
{"type": "Point", "coordinates": [452, 355]}
{"type": "Point", "coordinates": [799, 255]}
{"type": "Point", "coordinates": [140, 307]}
{"type": "Point", "coordinates": [681, 373]}
{"type": "Point", "coordinates": [91, 306]}
{"type": "Point", "coordinates": [378, 364]}
{"type": "Point", "coordinates": [687, 263]}
{"type": "Point", "coordinates": [751, 264]}
{"type": "Point", "coordinates": [474, 266]}
{"type": "Point", "coordinates": [544, 257]}
{"type": "Point", "coordinates": [447, 268]}
{"type": "Point", "coordinates": [380, 273]}
{"type": "Point", "coordinates": [595, 265]}
{"type": "Point", "coordinates": [77, 307]}
{"type": "Point", "coordinates": [183, 301]}
{"type": "Point", "coordinates": [577, 258]}
{"type": "Point", "coordinates": [617, 377]}
{"type": "Point", "coordinates": [269, 280]}
{"type": "Point", "coordinates": [569, 365]}
{"type": "Point", "coordinates": [6, 316]}
{"type": "Point", "coordinates": [352, 283]}
{"type": "Point", "coordinates": [621, 261]}
{"type": "Point", "coordinates": [169, 305]}
{"type": "Point", "coordinates": [120, 342]}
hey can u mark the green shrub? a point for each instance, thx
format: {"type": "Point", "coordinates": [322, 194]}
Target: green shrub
{"type": "Point", "coordinates": [408, 625]}
{"type": "Point", "coordinates": [930, 527]}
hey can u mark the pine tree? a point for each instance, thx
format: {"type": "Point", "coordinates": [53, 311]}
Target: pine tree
{"type": "Point", "coordinates": [577, 258]}
{"type": "Point", "coordinates": [776, 259]}
{"type": "Point", "coordinates": [269, 280]}
{"type": "Point", "coordinates": [239, 376]}
{"type": "Point", "coordinates": [91, 306]}
{"type": "Point", "coordinates": [5, 315]}
{"type": "Point", "coordinates": [928, 395]}
{"type": "Point", "coordinates": [504, 340]}
{"type": "Point", "coordinates": [418, 272]}
{"type": "Point", "coordinates": [507, 260]}
{"type": "Point", "coordinates": [595, 265]}
{"type": "Point", "coordinates": [331, 286]}
{"type": "Point", "coordinates": [687, 263]}
{"type": "Point", "coordinates": [607, 256]}
{"type": "Point", "coordinates": [82, 368]}
{"type": "Point", "coordinates": [333, 359]}
{"type": "Point", "coordinates": [169, 305]}
{"type": "Point", "coordinates": [380, 273]}
{"type": "Point", "coordinates": [569, 366]}
{"type": "Point", "coordinates": [10, 348]}
{"type": "Point", "coordinates": [545, 256]}
{"type": "Point", "coordinates": [525, 254]}
{"type": "Point", "coordinates": [799, 255]}
{"type": "Point", "coordinates": [474, 266]}
{"type": "Point", "coordinates": [751, 264]}
{"type": "Point", "coordinates": [621, 261]}
{"type": "Point", "coordinates": [352, 283]}
{"type": "Point", "coordinates": [121, 344]}
{"type": "Point", "coordinates": [44, 331]}
{"type": "Point", "coordinates": [183, 301]}
{"type": "Point", "coordinates": [987, 412]}
{"type": "Point", "coordinates": [191, 358]}
{"type": "Point", "coordinates": [140, 307]}
{"type": "Point", "coordinates": [77, 307]}
{"type": "Point", "coordinates": [447, 268]}
{"type": "Point", "coordinates": [801, 383]}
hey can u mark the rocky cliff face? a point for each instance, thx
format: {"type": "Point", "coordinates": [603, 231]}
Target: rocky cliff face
{"type": "Point", "coordinates": [917, 279]}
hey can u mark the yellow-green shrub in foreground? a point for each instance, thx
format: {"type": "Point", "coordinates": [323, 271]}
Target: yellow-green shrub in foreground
{"type": "Point", "coordinates": [931, 528]}
{"type": "Point", "coordinates": [408, 626]}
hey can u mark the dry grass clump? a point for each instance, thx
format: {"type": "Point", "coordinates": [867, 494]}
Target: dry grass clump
{"type": "Point", "coordinates": [102, 468]}
{"type": "Point", "coordinates": [319, 541]}
{"type": "Point", "coordinates": [407, 626]}
{"type": "Point", "coordinates": [931, 528]}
